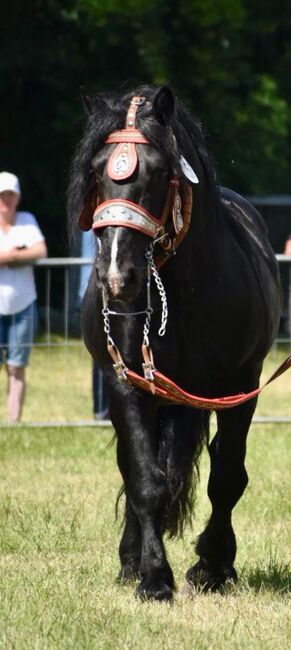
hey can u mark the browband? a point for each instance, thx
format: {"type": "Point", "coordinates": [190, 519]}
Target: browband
{"type": "Point", "coordinates": [125, 135]}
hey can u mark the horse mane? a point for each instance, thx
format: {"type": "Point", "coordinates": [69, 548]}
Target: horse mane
{"type": "Point", "coordinates": [107, 114]}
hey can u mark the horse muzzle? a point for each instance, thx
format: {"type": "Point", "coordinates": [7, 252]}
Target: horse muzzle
{"type": "Point", "coordinates": [116, 285]}
{"type": "Point", "coordinates": [124, 286]}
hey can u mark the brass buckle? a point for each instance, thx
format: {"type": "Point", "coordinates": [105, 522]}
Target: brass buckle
{"type": "Point", "coordinates": [148, 371]}
{"type": "Point", "coordinates": [120, 370]}
{"type": "Point", "coordinates": [138, 101]}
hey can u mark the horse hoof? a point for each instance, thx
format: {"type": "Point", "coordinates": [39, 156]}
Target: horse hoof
{"type": "Point", "coordinates": [205, 578]}
{"type": "Point", "coordinates": [127, 575]}
{"type": "Point", "coordinates": [151, 591]}
{"type": "Point", "coordinates": [188, 590]}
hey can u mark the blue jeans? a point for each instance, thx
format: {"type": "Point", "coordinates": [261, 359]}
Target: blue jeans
{"type": "Point", "coordinates": [17, 332]}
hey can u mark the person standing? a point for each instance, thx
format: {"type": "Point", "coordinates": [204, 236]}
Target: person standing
{"type": "Point", "coordinates": [21, 243]}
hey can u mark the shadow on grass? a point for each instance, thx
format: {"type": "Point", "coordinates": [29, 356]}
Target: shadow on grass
{"type": "Point", "coordinates": [275, 577]}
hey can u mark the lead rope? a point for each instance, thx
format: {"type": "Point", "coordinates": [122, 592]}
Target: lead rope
{"type": "Point", "coordinates": [148, 365]}
{"type": "Point", "coordinates": [153, 380]}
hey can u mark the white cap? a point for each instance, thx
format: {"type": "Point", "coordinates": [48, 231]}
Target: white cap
{"type": "Point", "coordinates": [9, 182]}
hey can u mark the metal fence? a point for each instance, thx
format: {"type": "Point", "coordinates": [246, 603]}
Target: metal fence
{"type": "Point", "coordinates": [61, 316]}
{"type": "Point", "coordinates": [70, 300]}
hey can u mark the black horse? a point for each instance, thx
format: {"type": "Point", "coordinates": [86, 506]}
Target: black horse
{"type": "Point", "coordinates": [143, 174]}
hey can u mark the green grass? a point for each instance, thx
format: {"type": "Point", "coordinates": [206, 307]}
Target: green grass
{"type": "Point", "coordinates": [59, 540]}
{"type": "Point", "coordinates": [59, 537]}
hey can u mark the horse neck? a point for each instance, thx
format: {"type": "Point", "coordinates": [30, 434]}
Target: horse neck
{"type": "Point", "coordinates": [203, 239]}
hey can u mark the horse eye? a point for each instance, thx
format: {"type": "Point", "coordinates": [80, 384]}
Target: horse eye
{"type": "Point", "coordinates": [163, 171]}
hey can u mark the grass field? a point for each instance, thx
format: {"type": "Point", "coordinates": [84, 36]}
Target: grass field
{"type": "Point", "coordinates": [59, 537]}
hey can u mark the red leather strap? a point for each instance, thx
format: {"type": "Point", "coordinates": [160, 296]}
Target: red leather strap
{"type": "Point", "coordinates": [127, 135]}
{"type": "Point", "coordinates": [168, 390]}
{"type": "Point", "coordinates": [123, 161]}
{"type": "Point", "coordinates": [121, 212]}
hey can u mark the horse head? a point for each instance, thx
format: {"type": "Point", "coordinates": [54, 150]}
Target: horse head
{"type": "Point", "coordinates": [140, 195]}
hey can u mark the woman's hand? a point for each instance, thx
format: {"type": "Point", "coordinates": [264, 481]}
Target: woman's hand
{"type": "Point", "coordinates": [6, 257]}
{"type": "Point", "coordinates": [18, 256]}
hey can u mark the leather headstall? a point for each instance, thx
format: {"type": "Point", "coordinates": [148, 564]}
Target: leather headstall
{"type": "Point", "coordinates": [121, 165]}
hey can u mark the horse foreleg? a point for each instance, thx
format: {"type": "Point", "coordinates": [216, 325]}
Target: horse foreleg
{"type": "Point", "coordinates": [130, 544]}
{"type": "Point", "coordinates": [228, 479]}
{"type": "Point", "coordinates": [156, 575]}
{"type": "Point", "coordinates": [147, 493]}
{"type": "Point", "coordinates": [130, 547]}
{"type": "Point", "coordinates": [141, 548]}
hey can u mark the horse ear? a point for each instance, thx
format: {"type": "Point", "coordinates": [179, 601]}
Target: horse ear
{"type": "Point", "coordinates": [164, 105]}
{"type": "Point", "coordinates": [87, 101]}
{"type": "Point", "coordinates": [92, 103]}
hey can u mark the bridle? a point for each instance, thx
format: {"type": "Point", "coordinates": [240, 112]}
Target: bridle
{"type": "Point", "coordinates": [121, 165]}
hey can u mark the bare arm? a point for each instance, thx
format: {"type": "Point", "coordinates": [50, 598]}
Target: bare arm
{"type": "Point", "coordinates": [19, 256]}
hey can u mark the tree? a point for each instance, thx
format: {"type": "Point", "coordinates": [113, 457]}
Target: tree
{"type": "Point", "coordinates": [228, 60]}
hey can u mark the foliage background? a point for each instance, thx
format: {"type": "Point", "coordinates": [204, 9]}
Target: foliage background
{"type": "Point", "coordinates": [229, 60]}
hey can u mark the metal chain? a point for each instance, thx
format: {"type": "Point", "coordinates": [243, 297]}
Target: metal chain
{"type": "Point", "coordinates": [149, 311]}
{"type": "Point", "coordinates": [105, 313]}
{"type": "Point", "coordinates": [151, 270]}
{"type": "Point", "coordinates": [146, 327]}
{"type": "Point", "coordinates": [161, 290]}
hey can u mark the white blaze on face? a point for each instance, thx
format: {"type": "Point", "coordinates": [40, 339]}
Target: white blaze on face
{"type": "Point", "coordinates": [114, 276]}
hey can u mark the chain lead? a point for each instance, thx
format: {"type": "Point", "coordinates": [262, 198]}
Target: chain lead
{"type": "Point", "coordinates": [151, 270]}
{"type": "Point", "coordinates": [161, 290]}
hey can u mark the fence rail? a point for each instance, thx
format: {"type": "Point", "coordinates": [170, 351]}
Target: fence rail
{"type": "Point", "coordinates": [76, 262]}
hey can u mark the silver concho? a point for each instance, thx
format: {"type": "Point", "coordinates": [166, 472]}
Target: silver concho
{"type": "Point", "coordinates": [177, 214]}
{"type": "Point", "coordinates": [121, 164]}
{"type": "Point", "coordinates": [179, 222]}
{"type": "Point", "coordinates": [188, 171]}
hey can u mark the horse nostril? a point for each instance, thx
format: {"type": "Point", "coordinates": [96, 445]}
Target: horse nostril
{"type": "Point", "coordinates": [100, 277]}
{"type": "Point", "coordinates": [131, 275]}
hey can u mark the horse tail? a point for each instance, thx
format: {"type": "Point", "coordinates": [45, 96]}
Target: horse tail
{"type": "Point", "coordinates": [182, 432]}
